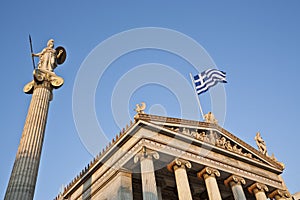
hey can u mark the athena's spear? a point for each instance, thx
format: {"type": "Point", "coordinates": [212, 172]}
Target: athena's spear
{"type": "Point", "coordinates": [31, 51]}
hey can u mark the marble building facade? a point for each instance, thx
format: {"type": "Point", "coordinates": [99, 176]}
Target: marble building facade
{"type": "Point", "coordinates": [163, 158]}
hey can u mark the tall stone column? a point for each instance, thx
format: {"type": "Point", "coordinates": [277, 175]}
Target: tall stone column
{"type": "Point", "coordinates": [258, 189]}
{"type": "Point", "coordinates": [182, 182]}
{"type": "Point", "coordinates": [147, 172]}
{"type": "Point", "coordinates": [25, 170]}
{"type": "Point", "coordinates": [235, 182]}
{"type": "Point", "coordinates": [209, 174]}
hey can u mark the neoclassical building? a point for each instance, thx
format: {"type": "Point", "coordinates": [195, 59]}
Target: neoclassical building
{"type": "Point", "coordinates": [163, 158]}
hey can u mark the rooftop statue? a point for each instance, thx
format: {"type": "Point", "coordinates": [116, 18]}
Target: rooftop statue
{"type": "Point", "coordinates": [140, 108]}
{"type": "Point", "coordinates": [261, 143]}
{"type": "Point", "coordinates": [50, 57]}
{"type": "Point", "coordinates": [210, 118]}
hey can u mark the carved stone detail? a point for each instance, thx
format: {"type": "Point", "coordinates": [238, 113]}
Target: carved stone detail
{"type": "Point", "coordinates": [274, 159]}
{"type": "Point", "coordinates": [41, 77]}
{"type": "Point", "coordinates": [258, 187]}
{"type": "Point", "coordinates": [207, 172]}
{"type": "Point", "coordinates": [140, 108]}
{"type": "Point", "coordinates": [220, 141]}
{"type": "Point", "coordinates": [210, 118]}
{"type": "Point", "coordinates": [235, 179]}
{"type": "Point", "coordinates": [279, 194]}
{"type": "Point", "coordinates": [260, 144]}
{"type": "Point", "coordinates": [178, 163]}
{"type": "Point", "coordinates": [145, 153]}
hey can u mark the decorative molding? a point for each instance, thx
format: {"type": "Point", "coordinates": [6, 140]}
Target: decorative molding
{"type": "Point", "coordinates": [178, 163]}
{"type": "Point", "coordinates": [209, 162]}
{"type": "Point", "coordinates": [258, 187]}
{"type": "Point", "coordinates": [208, 172]}
{"type": "Point", "coordinates": [235, 180]}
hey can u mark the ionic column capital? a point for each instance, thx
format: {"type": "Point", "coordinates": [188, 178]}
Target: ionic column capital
{"type": "Point", "coordinates": [145, 154]}
{"type": "Point", "coordinates": [208, 172]}
{"type": "Point", "coordinates": [178, 163]}
{"type": "Point", "coordinates": [258, 187]}
{"type": "Point", "coordinates": [279, 194]}
{"type": "Point", "coordinates": [234, 179]}
{"type": "Point", "coordinates": [43, 78]}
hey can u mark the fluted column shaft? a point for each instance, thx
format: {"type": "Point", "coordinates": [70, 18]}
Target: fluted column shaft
{"type": "Point", "coordinates": [24, 174]}
{"type": "Point", "coordinates": [147, 173]}
{"type": "Point", "coordinates": [182, 182]}
{"type": "Point", "coordinates": [259, 189]}
{"type": "Point", "coordinates": [209, 175]}
{"type": "Point", "coordinates": [235, 182]}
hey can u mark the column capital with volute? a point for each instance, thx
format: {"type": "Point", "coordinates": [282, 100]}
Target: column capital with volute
{"type": "Point", "coordinates": [258, 187]}
{"type": "Point", "coordinates": [235, 183]}
{"type": "Point", "coordinates": [178, 163]}
{"type": "Point", "coordinates": [208, 172]}
{"type": "Point", "coordinates": [178, 166]}
{"type": "Point", "coordinates": [145, 154]}
{"type": "Point", "coordinates": [279, 194]}
{"type": "Point", "coordinates": [233, 180]}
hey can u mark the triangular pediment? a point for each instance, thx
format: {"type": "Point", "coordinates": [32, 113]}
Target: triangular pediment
{"type": "Point", "coordinates": [214, 137]}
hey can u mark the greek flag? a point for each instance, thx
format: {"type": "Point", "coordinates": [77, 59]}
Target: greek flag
{"type": "Point", "coordinates": [208, 79]}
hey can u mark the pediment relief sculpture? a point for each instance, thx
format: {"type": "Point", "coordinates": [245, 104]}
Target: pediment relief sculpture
{"type": "Point", "coordinates": [216, 139]}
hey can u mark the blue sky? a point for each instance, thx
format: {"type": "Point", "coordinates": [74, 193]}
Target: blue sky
{"type": "Point", "coordinates": [256, 42]}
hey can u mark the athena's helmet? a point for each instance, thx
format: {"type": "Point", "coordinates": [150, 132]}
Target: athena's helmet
{"type": "Point", "coordinates": [51, 41]}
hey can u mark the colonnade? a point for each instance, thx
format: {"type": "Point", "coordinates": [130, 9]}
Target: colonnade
{"type": "Point", "coordinates": [180, 166]}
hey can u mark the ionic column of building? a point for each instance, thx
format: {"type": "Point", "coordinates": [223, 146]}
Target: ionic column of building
{"type": "Point", "coordinates": [178, 166]}
{"type": "Point", "coordinates": [258, 189]}
{"type": "Point", "coordinates": [235, 182]}
{"type": "Point", "coordinates": [209, 174]}
{"type": "Point", "coordinates": [147, 172]}
{"type": "Point", "coordinates": [279, 195]}
{"type": "Point", "coordinates": [25, 170]}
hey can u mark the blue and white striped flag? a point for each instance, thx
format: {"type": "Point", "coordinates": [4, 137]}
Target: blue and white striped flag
{"type": "Point", "coordinates": [208, 79]}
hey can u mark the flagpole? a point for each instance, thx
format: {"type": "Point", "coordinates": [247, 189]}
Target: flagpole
{"type": "Point", "coordinates": [197, 96]}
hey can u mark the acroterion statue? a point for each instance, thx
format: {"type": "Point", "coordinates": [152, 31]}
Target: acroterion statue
{"type": "Point", "coordinates": [260, 143]}
{"type": "Point", "coordinates": [210, 118]}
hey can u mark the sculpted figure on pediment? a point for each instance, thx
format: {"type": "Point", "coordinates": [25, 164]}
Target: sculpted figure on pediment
{"type": "Point", "coordinates": [221, 142]}
{"type": "Point", "coordinates": [260, 143]}
{"type": "Point", "coordinates": [236, 149]}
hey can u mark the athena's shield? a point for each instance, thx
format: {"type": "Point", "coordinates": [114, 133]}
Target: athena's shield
{"type": "Point", "coordinates": [61, 59]}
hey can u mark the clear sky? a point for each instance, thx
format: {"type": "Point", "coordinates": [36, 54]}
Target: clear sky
{"type": "Point", "coordinates": [256, 42]}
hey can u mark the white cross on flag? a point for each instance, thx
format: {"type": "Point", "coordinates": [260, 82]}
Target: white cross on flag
{"type": "Point", "coordinates": [208, 79]}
